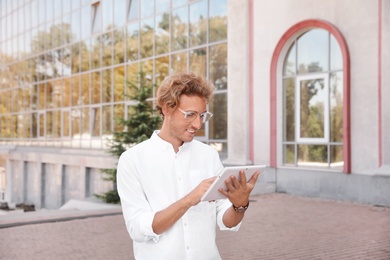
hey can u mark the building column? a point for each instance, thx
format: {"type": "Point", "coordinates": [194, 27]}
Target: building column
{"type": "Point", "coordinates": [238, 83]}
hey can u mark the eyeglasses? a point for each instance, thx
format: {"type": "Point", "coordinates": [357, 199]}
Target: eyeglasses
{"type": "Point", "coordinates": [192, 115]}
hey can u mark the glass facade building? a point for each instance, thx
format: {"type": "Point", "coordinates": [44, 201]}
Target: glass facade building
{"type": "Point", "coordinates": [66, 64]}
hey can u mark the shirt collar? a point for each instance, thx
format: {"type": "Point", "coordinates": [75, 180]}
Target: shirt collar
{"type": "Point", "coordinates": [161, 143]}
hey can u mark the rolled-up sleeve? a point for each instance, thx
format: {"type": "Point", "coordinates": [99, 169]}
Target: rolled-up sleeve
{"type": "Point", "coordinates": [137, 213]}
{"type": "Point", "coordinates": [222, 207]}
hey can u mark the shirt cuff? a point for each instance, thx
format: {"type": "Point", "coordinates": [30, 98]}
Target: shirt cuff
{"type": "Point", "coordinates": [146, 228]}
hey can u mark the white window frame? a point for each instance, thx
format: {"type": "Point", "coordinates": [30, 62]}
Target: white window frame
{"type": "Point", "coordinates": [306, 140]}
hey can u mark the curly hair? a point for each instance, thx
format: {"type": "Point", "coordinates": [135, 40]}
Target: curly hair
{"type": "Point", "coordinates": [175, 85]}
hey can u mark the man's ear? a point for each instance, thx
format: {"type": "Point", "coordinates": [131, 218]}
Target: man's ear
{"type": "Point", "coordinates": [166, 110]}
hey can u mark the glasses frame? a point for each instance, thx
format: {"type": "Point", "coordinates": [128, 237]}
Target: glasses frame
{"type": "Point", "coordinates": [202, 116]}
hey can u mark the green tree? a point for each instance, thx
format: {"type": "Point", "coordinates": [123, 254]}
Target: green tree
{"type": "Point", "coordinates": [142, 121]}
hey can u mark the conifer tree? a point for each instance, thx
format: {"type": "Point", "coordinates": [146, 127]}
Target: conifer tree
{"type": "Point", "coordinates": [142, 121]}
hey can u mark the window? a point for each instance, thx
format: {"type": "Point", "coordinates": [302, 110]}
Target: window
{"type": "Point", "coordinates": [96, 17]}
{"type": "Point", "coordinates": [312, 102]}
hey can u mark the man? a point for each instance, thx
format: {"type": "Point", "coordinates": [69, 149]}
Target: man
{"type": "Point", "coordinates": [162, 180]}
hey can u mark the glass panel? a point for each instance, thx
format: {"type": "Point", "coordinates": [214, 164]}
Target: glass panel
{"type": "Point", "coordinates": [313, 51]}
{"type": "Point", "coordinates": [198, 61]}
{"type": "Point", "coordinates": [97, 18]}
{"type": "Point", "coordinates": [76, 20]}
{"type": "Point", "coordinates": [106, 86]}
{"type": "Point", "coordinates": [312, 155]}
{"type": "Point", "coordinates": [14, 126]}
{"type": "Point", "coordinates": [56, 123]}
{"type": "Point", "coordinates": [26, 125]}
{"type": "Point", "coordinates": [147, 34]}
{"type": "Point", "coordinates": [34, 125]}
{"type": "Point", "coordinates": [42, 95]}
{"type": "Point", "coordinates": [312, 97]}
{"type": "Point", "coordinates": [132, 12]}
{"type": "Point", "coordinates": [57, 93]}
{"type": "Point", "coordinates": [95, 53]}
{"type": "Point", "coordinates": [85, 121]}
{"type": "Point", "coordinates": [107, 48]}
{"type": "Point", "coordinates": [132, 79]}
{"type": "Point", "coordinates": [162, 33]}
{"type": "Point", "coordinates": [76, 58]}
{"type": "Point", "coordinates": [41, 125]}
{"type": "Point", "coordinates": [198, 23]}
{"type": "Point", "coordinates": [95, 87]}
{"type": "Point", "coordinates": [289, 63]}
{"type": "Point", "coordinates": [85, 64]}
{"type": "Point", "coordinates": [162, 69]}
{"type": "Point", "coordinates": [162, 6]}
{"type": "Point", "coordinates": [75, 118]}
{"type": "Point", "coordinates": [289, 154]}
{"type": "Point", "coordinates": [218, 20]}
{"type": "Point", "coordinates": [107, 120]}
{"type": "Point", "coordinates": [178, 2]}
{"type": "Point", "coordinates": [336, 107]}
{"type": "Point", "coordinates": [66, 94]}
{"type": "Point", "coordinates": [179, 62]}
{"type": "Point", "coordinates": [147, 8]}
{"type": "Point", "coordinates": [336, 58]}
{"type": "Point", "coordinates": [147, 69]}
{"type": "Point", "coordinates": [95, 119]}
{"type": "Point", "coordinates": [336, 156]}
{"type": "Point", "coordinates": [289, 109]}
{"type": "Point", "coordinates": [76, 91]}
{"type": "Point", "coordinates": [85, 22]}
{"type": "Point", "coordinates": [65, 123]}
{"type": "Point", "coordinates": [107, 12]}
{"type": "Point", "coordinates": [49, 95]}
{"type": "Point", "coordinates": [119, 13]}
{"type": "Point", "coordinates": [119, 113]}
{"type": "Point", "coordinates": [179, 28]}
{"type": "Point", "coordinates": [119, 46]}
{"type": "Point", "coordinates": [85, 82]}
{"type": "Point", "coordinates": [218, 65]}
{"type": "Point", "coordinates": [132, 42]}
{"type": "Point", "coordinates": [218, 123]}
{"type": "Point", "coordinates": [119, 84]}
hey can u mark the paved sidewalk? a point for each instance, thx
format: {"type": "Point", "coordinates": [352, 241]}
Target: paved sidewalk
{"type": "Point", "coordinates": [276, 226]}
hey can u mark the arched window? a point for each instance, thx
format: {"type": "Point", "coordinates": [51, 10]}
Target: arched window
{"type": "Point", "coordinates": [313, 92]}
{"type": "Point", "coordinates": [313, 101]}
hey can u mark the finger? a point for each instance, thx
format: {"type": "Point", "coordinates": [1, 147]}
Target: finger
{"type": "Point", "coordinates": [242, 177]}
{"type": "Point", "coordinates": [229, 184]}
{"type": "Point", "coordinates": [254, 178]}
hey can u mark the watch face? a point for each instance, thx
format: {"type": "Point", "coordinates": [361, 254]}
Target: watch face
{"type": "Point", "coordinates": [241, 209]}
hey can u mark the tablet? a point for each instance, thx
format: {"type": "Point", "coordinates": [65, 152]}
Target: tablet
{"type": "Point", "coordinates": [213, 194]}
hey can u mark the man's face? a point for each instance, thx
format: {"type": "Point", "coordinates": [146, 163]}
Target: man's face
{"type": "Point", "coordinates": [183, 129]}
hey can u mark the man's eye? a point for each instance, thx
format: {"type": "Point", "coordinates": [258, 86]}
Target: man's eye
{"type": "Point", "coordinates": [191, 114]}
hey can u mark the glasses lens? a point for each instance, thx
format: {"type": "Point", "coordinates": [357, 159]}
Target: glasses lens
{"type": "Point", "coordinates": [206, 116]}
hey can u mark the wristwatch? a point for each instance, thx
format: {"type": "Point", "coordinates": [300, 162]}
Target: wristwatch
{"type": "Point", "coordinates": [241, 209]}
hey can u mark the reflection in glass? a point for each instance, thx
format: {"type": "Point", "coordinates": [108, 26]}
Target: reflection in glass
{"type": "Point", "coordinates": [95, 91]}
{"type": "Point", "coordinates": [198, 61]}
{"type": "Point", "coordinates": [218, 123]}
{"type": "Point", "coordinates": [132, 41]}
{"type": "Point", "coordinates": [218, 20]}
{"type": "Point", "coordinates": [162, 6]}
{"type": "Point", "coordinates": [147, 33]}
{"type": "Point", "coordinates": [107, 48]}
{"type": "Point", "coordinates": [65, 123]}
{"type": "Point", "coordinates": [119, 113]}
{"type": "Point", "coordinates": [107, 120]}
{"type": "Point", "coordinates": [85, 121]}
{"type": "Point", "coordinates": [312, 155]}
{"type": "Point", "coordinates": [179, 62]}
{"type": "Point", "coordinates": [218, 65]}
{"type": "Point", "coordinates": [336, 59]}
{"type": "Point", "coordinates": [106, 86]}
{"type": "Point", "coordinates": [162, 69]}
{"type": "Point", "coordinates": [336, 156]}
{"type": "Point", "coordinates": [95, 119]}
{"type": "Point", "coordinates": [119, 83]}
{"type": "Point", "coordinates": [198, 23]}
{"type": "Point", "coordinates": [132, 12]}
{"type": "Point", "coordinates": [336, 107]}
{"type": "Point", "coordinates": [312, 118]}
{"type": "Point", "coordinates": [313, 51]}
{"type": "Point", "coordinates": [179, 28]}
{"type": "Point", "coordinates": [85, 83]}
{"type": "Point", "coordinates": [289, 109]}
{"type": "Point", "coordinates": [162, 33]}
{"type": "Point", "coordinates": [147, 8]}
{"type": "Point", "coordinates": [289, 154]}
{"type": "Point", "coordinates": [119, 46]}
{"type": "Point", "coordinates": [290, 62]}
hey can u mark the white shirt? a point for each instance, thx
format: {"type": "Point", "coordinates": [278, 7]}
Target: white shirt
{"type": "Point", "coordinates": [150, 177]}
